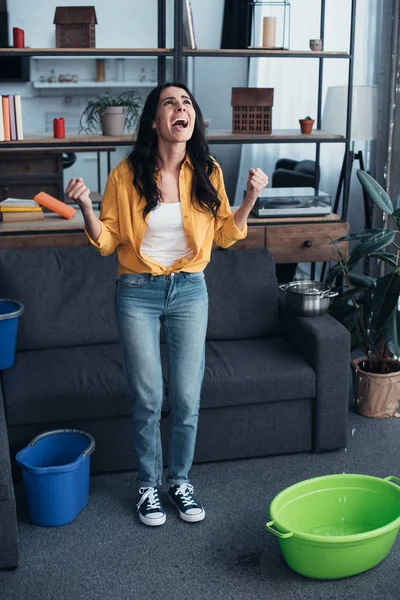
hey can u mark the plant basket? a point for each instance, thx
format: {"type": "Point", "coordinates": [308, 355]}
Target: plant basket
{"type": "Point", "coordinates": [376, 394]}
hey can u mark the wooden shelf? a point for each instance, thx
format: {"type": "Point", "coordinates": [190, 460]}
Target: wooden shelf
{"type": "Point", "coordinates": [94, 52]}
{"type": "Point", "coordinates": [43, 140]}
{"type": "Point", "coordinates": [277, 136]}
{"type": "Point", "coordinates": [94, 84]}
{"type": "Point", "coordinates": [262, 52]}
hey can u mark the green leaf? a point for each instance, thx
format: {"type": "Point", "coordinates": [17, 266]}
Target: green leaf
{"type": "Point", "coordinates": [384, 299]}
{"type": "Point", "coordinates": [372, 245]}
{"type": "Point", "coordinates": [375, 192]}
{"type": "Point", "coordinates": [334, 272]}
{"type": "Point", "coordinates": [386, 257]}
{"type": "Point", "coordinates": [359, 236]}
{"type": "Point", "coordinates": [362, 281]}
{"type": "Point", "coordinates": [391, 333]}
{"type": "Point", "coordinates": [396, 203]}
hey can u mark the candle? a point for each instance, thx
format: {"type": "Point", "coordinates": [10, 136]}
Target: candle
{"type": "Point", "coordinates": [18, 37]}
{"type": "Point", "coordinates": [59, 128]}
{"type": "Point", "coordinates": [269, 32]}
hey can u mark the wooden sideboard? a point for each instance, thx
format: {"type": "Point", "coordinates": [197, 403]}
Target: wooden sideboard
{"type": "Point", "coordinates": [290, 239]}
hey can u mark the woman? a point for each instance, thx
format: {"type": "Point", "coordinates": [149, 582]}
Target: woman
{"type": "Point", "coordinates": [163, 207]}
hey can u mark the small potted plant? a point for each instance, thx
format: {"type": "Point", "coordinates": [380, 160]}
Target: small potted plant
{"type": "Point", "coordinates": [111, 114]}
{"type": "Point", "coordinates": [306, 124]}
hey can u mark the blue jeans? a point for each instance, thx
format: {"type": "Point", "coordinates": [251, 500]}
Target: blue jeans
{"type": "Point", "coordinates": [180, 301]}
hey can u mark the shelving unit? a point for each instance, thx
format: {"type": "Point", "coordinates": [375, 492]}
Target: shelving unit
{"type": "Point", "coordinates": [179, 54]}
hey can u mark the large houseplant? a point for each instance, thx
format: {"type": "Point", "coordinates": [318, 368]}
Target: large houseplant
{"type": "Point", "coordinates": [368, 306]}
{"type": "Point", "coordinates": [111, 114]}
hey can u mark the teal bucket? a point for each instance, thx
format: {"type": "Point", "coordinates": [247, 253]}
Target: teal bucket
{"type": "Point", "coordinates": [10, 310]}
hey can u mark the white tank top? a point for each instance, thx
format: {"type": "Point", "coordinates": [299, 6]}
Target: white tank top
{"type": "Point", "coordinates": [165, 239]}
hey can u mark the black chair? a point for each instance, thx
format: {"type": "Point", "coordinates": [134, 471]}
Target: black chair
{"type": "Point", "coordinates": [294, 173]}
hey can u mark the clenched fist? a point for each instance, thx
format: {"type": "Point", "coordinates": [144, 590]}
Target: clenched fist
{"type": "Point", "coordinates": [77, 190]}
{"type": "Point", "coordinates": [256, 181]}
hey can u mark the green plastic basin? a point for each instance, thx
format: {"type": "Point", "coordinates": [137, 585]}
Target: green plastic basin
{"type": "Point", "coordinates": [336, 526]}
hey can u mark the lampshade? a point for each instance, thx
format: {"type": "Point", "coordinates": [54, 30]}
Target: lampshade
{"type": "Point", "coordinates": [364, 114]}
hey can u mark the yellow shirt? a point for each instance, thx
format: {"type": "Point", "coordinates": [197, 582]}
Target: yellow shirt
{"type": "Point", "coordinates": [123, 226]}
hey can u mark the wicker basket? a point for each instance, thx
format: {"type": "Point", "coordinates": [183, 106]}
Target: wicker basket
{"type": "Point", "coordinates": [252, 110]}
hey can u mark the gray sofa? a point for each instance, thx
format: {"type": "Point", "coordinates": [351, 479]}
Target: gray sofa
{"type": "Point", "coordinates": [274, 383]}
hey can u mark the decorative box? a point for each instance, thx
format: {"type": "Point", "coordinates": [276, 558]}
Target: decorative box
{"type": "Point", "coordinates": [75, 26]}
{"type": "Point", "coordinates": [252, 110]}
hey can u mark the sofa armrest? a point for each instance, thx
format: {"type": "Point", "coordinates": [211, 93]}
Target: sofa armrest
{"type": "Point", "coordinates": [325, 345]}
{"type": "Point", "coordinates": [9, 546]}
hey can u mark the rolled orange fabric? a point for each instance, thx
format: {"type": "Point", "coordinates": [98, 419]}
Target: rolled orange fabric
{"type": "Point", "coordinates": [55, 205]}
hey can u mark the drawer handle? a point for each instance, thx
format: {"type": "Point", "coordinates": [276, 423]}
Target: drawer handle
{"type": "Point", "coordinates": [307, 244]}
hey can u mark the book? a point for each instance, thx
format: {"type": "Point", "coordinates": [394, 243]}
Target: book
{"type": "Point", "coordinates": [19, 205]}
{"type": "Point", "coordinates": [55, 205]}
{"type": "Point", "coordinates": [10, 217]}
{"type": "Point", "coordinates": [18, 116]}
{"type": "Point", "coordinates": [189, 40]}
{"type": "Point", "coordinates": [1, 123]}
{"type": "Point", "coordinates": [6, 118]}
{"type": "Point", "coordinates": [13, 125]}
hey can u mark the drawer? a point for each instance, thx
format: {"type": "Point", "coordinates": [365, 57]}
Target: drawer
{"type": "Point", "coordinates": [255, 239]}
{"type": "Point", "coordinates": [306, 243]}
{"type": "Point", "coordinates": [25, 164]}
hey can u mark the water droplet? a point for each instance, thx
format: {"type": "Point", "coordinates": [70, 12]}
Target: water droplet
{"type": "Point", "coordinates": [353, 431]}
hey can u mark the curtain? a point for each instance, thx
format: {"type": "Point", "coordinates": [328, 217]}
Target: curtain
{"type": "Point", "coordinates": [295, 83]}
{"type": "Point", "coordinates": [236, 26]}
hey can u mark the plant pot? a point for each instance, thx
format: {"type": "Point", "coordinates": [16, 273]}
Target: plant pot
{"type": "Point", "coordinates": [306, 125]}
{"type": "Point", "coordinates": [113, 120]}
{"type": "Point", "coordinates": [376, 394]}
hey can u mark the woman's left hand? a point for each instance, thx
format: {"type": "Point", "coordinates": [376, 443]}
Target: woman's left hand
{"type": "Point", "coordinates": [256, 181]}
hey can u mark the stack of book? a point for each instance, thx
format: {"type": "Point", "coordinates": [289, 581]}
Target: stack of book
{"type": "Point", "coordinates": [11, 118]}
{"type": "Point", "coordinates": [14, 209]}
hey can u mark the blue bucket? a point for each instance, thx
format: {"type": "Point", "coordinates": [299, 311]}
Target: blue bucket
{"type": "Point", "coordinates": [10, 310]}
{"type": "Point", "coordinates": [55, 469]}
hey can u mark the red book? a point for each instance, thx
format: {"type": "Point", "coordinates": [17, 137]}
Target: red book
{"type": "Point", "coordinates": [6, 118]}
{"type": "Point", "coordinates": [13, 125]}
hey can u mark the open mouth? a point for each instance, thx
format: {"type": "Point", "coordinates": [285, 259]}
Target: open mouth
{"type": "Point", "coordinates": [180, 123]}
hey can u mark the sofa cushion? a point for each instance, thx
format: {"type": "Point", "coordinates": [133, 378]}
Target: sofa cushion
{"type": "Point", "coordinates": [254, 371]}
{"type": "Point", "coordinates": [68, 294]}
{"type": "Point", "coordinates": [243, 295]}
{"type": "Point", "coordinates": [66, 383]}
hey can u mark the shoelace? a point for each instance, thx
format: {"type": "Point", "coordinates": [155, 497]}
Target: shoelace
{"type": "Point", "coordinates": [186, 490]}
{"type": "Point", "coordinates": [151, 495]}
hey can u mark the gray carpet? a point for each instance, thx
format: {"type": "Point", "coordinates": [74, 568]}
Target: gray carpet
{"type": "Point", "coordinates": [107, 554]}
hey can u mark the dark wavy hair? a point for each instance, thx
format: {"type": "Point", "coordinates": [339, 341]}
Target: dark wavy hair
{"type": "Point", "coordinates": [144, 157]}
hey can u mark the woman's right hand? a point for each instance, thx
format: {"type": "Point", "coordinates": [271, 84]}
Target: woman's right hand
{"type": "Point", "coordinates": [77, 190]}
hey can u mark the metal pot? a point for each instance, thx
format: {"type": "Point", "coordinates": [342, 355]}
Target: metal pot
{"type": "Point", "coordinates": [308, 298]}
